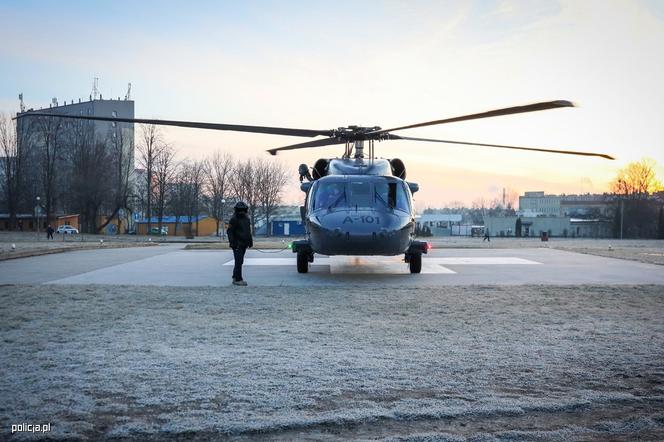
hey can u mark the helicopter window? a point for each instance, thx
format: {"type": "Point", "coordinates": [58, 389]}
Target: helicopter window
{"type": "Point", "coordinates": [402, 198]}
{"type": "Point", "coordinates": [360, 194]}
{"type": "Point", "coordinates": [329, 195]}
{"type": "Point", "coordinates": [392, 195]}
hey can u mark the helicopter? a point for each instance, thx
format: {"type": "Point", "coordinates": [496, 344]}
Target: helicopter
{"type": "Point", "coordinates": [356, 204]}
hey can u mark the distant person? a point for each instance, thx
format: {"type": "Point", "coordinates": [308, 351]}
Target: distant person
{"type": "Point", "coordinates": [486, 236]}
{"type": "Point", "coordinates": [49, 232]}
{"type": "Point", "coordinates": [239, 238]}
{"type": "Point", "coordinates": [20, 225]}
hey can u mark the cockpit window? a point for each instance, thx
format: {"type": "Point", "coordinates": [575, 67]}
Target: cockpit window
{"type": "Point", "coordinates": [392, 195]}
{"type": "Point", "coordinates": [360, 194]}
{"type": "Point", "coordinates": [330, 195]}
{"type": "Point", "coordinates": [366, 193]}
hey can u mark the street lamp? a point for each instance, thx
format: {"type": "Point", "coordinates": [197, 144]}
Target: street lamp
{"type": "Point", "coordinates": [38, 212]}
{"type": "Point", "coordinates": [223, 223]}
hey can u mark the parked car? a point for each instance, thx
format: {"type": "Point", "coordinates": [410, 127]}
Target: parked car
{"type": "Point", "coordinates": [155, 231]}
{"type": "Point", "coordinates": [66, 229]}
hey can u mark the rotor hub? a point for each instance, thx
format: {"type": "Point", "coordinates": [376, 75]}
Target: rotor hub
{"type": "Point", "coordinates": [355, 133]}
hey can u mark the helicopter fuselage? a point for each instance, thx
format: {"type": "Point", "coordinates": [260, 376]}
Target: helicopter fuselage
{"type": "Point", "coordinates": [359, 212]}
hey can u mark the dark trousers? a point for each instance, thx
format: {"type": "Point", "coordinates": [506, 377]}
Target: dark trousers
{"type": "Point", "coordinates": [238, 255]}
{"type": "Point", "coordinates": [49, 235]}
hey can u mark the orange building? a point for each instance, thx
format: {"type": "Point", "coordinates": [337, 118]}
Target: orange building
{"type": "Point", "coordinates": [202, 225]}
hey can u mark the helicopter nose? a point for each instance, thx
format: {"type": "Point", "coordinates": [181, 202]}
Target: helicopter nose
{"type": "Point", "coordinates": [361, 232]}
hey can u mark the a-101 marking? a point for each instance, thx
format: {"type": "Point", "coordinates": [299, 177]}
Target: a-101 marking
{"type": "Point", "coordinates": [368, 219]}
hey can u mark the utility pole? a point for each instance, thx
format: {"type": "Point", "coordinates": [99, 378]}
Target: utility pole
{"type": "Point", "coordinates": [38, 212]}
{"type": "Point", "coordinates": [622, 210]}
{"type": "Point", "coordinates": [621, 183]}
{"type": "Point", "coordinates": [223, 223]}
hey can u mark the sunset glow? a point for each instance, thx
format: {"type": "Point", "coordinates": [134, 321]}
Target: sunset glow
{"type": "Point", "coordinates": [328, 64]}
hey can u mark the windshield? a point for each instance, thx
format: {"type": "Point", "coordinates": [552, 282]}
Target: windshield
{"type": "Point", "coordinates": [330, 195]}
{"type": "Point", "coordinates": [366, 193]}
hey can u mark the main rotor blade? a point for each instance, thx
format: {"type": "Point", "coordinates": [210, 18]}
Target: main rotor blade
{"type": "Point", "coordinates": [494, 113]}
{"type": "Point", "coordinates": [537, 149]}
{"type": "Point", "coordinates": [315, 143]}
{"type": "Point", "coordinates": [194, 124]}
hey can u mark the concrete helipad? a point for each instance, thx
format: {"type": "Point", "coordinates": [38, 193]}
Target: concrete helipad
{"type": "Point", "coordinates": [173, 266]}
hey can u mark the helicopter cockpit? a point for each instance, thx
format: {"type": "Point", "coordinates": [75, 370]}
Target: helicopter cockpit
{"type": "Point", "coordinates": [376, 192]}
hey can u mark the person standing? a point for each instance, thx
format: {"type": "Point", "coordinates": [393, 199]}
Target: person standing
{"type": "Point", "coordinates": [49, 232]}
{"type": "Point", "coordinates": [239, 239]}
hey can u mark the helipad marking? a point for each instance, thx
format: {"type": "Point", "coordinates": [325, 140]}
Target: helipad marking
{"type": "Point", "coordinates": [484, 260]}
{"type": "Point", "coordinates": [351, 264]}
{"type": "Point", "coordinates": [278, 262]}
{"type": "Point", "coordinates": [378, 265]}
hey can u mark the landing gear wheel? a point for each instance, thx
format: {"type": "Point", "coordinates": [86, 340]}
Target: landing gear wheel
{"type": "Point", "coordinates": [415, 263]}
{"type": "Point", "coordinates": [302, 263]}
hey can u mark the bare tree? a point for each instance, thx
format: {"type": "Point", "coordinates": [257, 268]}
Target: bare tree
{"type": "Point", "coordinates": [50, 143]}
{"type": "Point", "coordinates": [480, 203]}
{"type": "Point", "coordinates": [271, 177]}
{"type": "Point", "coordinates": [150, 145]}
{"type": "Point", "coordinates": [244, 185]}
{"type": "Point", "coordinates": [511, 198]}
{"type": "Point", "coordinates": [637, 180]}
{"type": "Point", "coordinates": [91, 177]}
{"type": "Point", "coordinates": [218, 170]}
{"type": "Point", "coordinates": [12, 151]}
{"type": "Point", "coordinates": [164, 171]}
{"type": "Point", "coordinates": [122, 154]}
{"type": "Point", "coordinates": [188, 190]}
{"type": "Point", "coordinates": [178, 194]}
{"type": "Point", "coordinates": [456, 204]}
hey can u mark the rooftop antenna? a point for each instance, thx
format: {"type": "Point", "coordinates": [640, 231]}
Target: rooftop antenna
{"type": "Point", "coordinates": [128, 96]}
{"type": "Point", "coordinates": [95, 88]}
{"type": "Point", "coordinates": [22, 104]}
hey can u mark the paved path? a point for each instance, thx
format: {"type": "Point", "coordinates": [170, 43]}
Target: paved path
{"type": "Point", "coordinates": [171, 265]}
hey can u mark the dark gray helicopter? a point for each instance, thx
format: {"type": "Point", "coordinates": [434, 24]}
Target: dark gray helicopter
{"type": "Point", "coordinates": [357, 204]}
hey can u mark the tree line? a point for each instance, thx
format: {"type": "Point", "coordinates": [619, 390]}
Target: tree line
{"type": "Point", "coordinates": [64, 166]}
{"type": "Point", "coordinates": [187, 188]}
{"type": "Point", "coordinates": [106, 175]}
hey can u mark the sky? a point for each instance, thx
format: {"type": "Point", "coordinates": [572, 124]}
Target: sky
{"type": "Point", "coordinates": [322, 65]}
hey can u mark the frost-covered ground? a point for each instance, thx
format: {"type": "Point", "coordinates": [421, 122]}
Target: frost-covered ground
{"type": "Point", "coordinates": [650, 251]}
{"type": "Point", "coordinates": [440, 363]}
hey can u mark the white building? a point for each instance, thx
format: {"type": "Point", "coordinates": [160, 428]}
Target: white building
{"type": "Point", "coordinates": [538, 203]}
{"type": "Point", "coordinates": [440, 224]}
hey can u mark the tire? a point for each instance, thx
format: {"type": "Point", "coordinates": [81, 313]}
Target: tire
{"type": "Point", "coordinates": [415, 263]}
{"type": "Point", "coordinates": [302, 263]}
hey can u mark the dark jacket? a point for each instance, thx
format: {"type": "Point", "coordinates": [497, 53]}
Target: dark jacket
{"type": "Point", "coordinates": [239, 231]}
